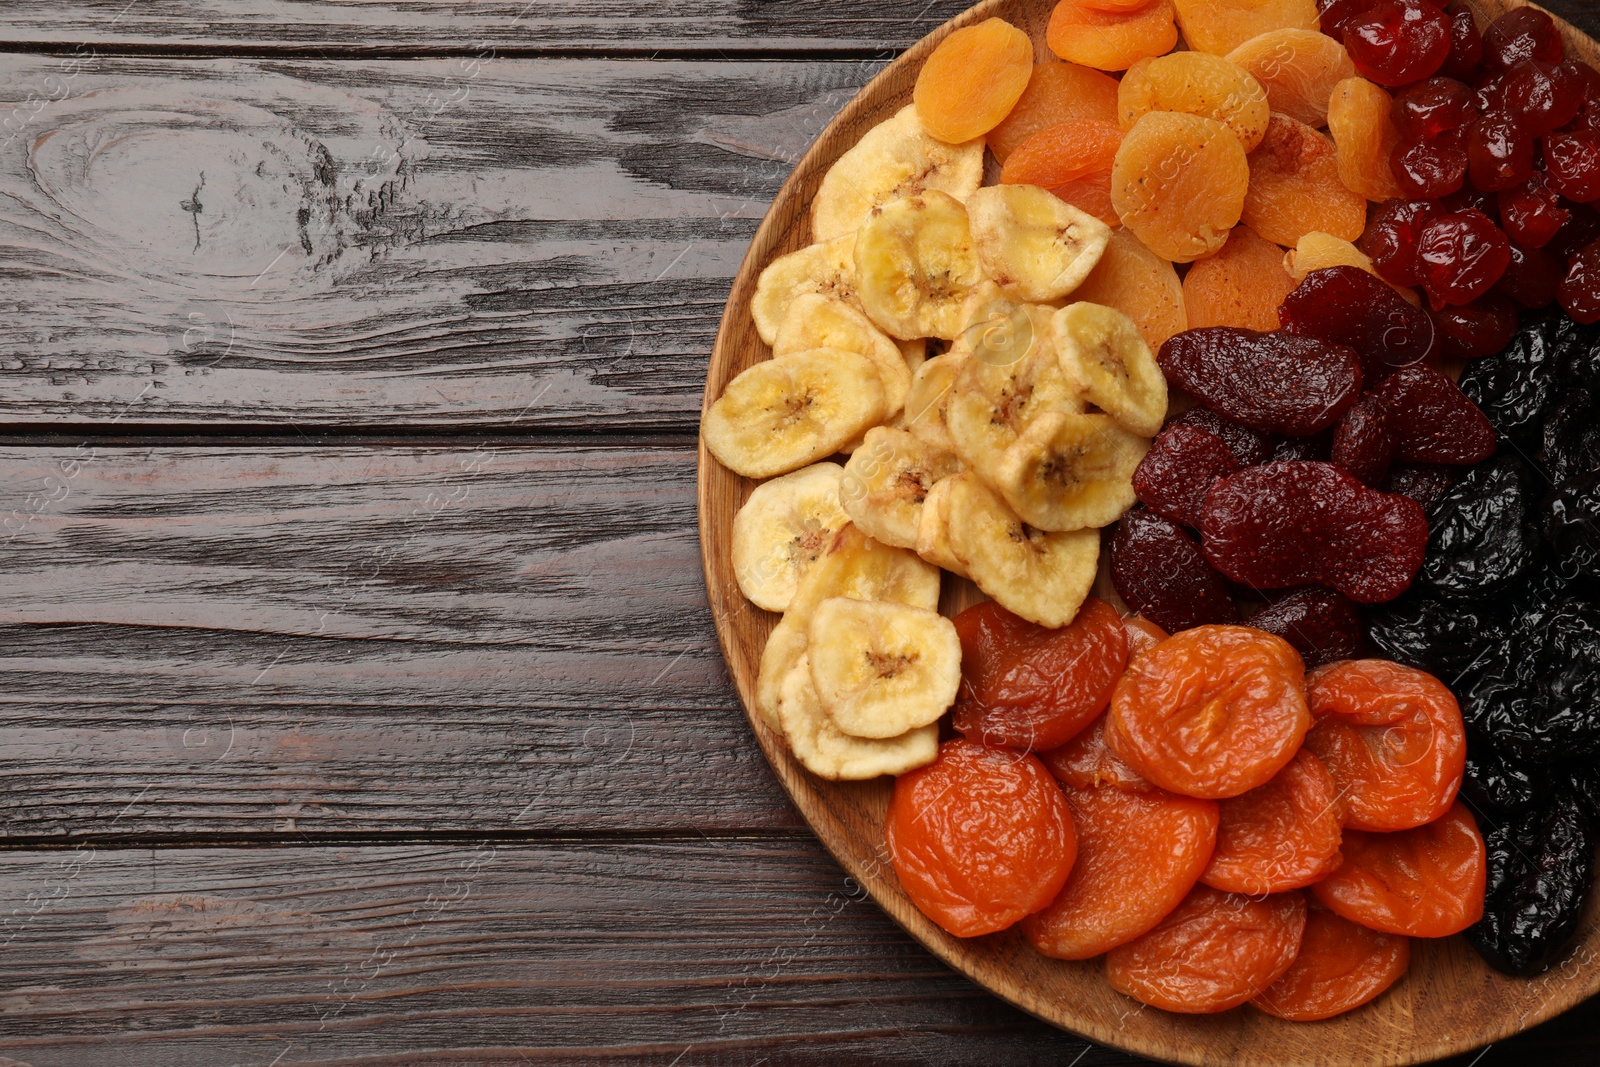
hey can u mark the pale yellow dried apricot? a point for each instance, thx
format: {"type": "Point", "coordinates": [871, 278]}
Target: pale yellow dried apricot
{"type": "Point", "coordinates": [1111, 40]}
{"type": "Point", "coordinates": [1295, 187]}
{"type": "Point", "coordinates": [1220, 26]}
{"type": "Point", "coordinates": [972, 80]}
{"type": "Point", "coordinates": [1057, 92]}
{"type": "Point", "coordinates": [1365, 136]}
{"type": "Point", "coordinates": [1141, 285]}
{"type": "Point", "coordinates": [1298, 69]}
{"type": "Point", "coordinates": [1242, 285]}
{"type": "Point", "coordinates": [1179, 183]}
{"type": "Point", "coordinates": [1197, 84]}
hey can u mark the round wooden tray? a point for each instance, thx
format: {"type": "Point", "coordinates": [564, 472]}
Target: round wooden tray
{"type": "Point", "coordinates": [1450, 1002]}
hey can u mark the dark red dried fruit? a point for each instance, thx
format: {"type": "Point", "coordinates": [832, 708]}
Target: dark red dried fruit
{"type": "Point", "coordinates": [1162, 574]}
{"type": "Point", "coordinates": [1431, 107]}
{"type": "Point", "coordinates": [1580, 290]}
{"type": "Point", "coordinates": [1249, 446]}
{"type": "Point", "coordinates": [1531, 214]}
{"type": "Point", "coordinates": [1531, 278]}
{"type": "Point", "coordinates": [1525, 33]}
{"type": "Point", "coordinates": [1178, 471]}
{"type": "Point", "coordinates": [1466, 45]}
{"type": "Point", "coordinates": [1542, 96]}
{"type": "Point", "coordinates": [1337, 14]}
{"type": "Point", "coordinates": [1432, 167]}
{"type": "Point", "coordinates": [1467, 198]}
{"type": "Point", "coordinates": [1318, 447]}
{"type": "Point", "coordinates": [1281, 525]}
{"type": "Point", "coordinates": [1393, 236]}
{"type": "Point", "coordinates": [1434, 421]}
{"type": "Point", "coordinates": [1276, 382]}
{"type": "Point", "coordinates": [1500, 153]}
{"type": "Point", "coordinates": [1323, 626]}
{"type": "Point", "coordinates": [1462, 254]}
{"type": "Point", "coordinates": [1397, 42]}
{"type": "Point", "coordinates": [1348, 306]}
{"type": "Point", "coordinates": [1572, 164]}
{"type": "Point", "coordinates": [1582, 227]}
{"type": "Point", "coordinates": [1481, 328]}
{"type": "Point", "coordinates": [1364, 440]}
{"type": "Point", "coordinates": [1423, 482]}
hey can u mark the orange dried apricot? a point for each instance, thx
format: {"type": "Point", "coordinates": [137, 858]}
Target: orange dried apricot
{"type": "Point", "coordinates": [1111, 40]}
{"type": "Point", "coordinates": [1426, 882]}
{"type": "Point", "coordinates": [1295, 187]}
{"type": "Point", "coordinates": [980, 837]}
{"type": "Point", "coordinates": [1092, 195]}
{"type": "Point", "coordinates": [1196, 84]}
{"type": "Point", "coordinates": [1393, 739]}
{"type": "Point", "coordinates": [1143, 635]}
{"type": "Point", "coordinates": [1220, 26]}
{"type": "Point", "coordinates": [1298, 68]}
{"type": "Point", "coordinates": [1087, 762]}
{"type": "Point", "coordinates": [1116, 5]}
{"type": "Point", "coordinates": [1180, 183]}
{"type": "Point", "coordinates": [972, 80]}
{"type": "Point", "coordinates": [1139, 854]}
{"type": "Point", "coordinates": [1211, 712]}
{"type": "Point", "coordinates": [1057, 92]}
{"type": "Point", "coordinates": [1341, 966]}
{"type": "Point", "coordinates": [1242, 285]}
{"type": "Point", "coordinates": [1025, 686]}
{"type": "Point", "coordinates": [1279, 836]}
{"type": "Point", "coordinates": [1141, 285]}
{"type": "Point", "coordinates": [1215, 952]}
{"type": "Point", "coordinates": [1065, 152]}
{"type": "Point", "coordinates": [1365, 137]}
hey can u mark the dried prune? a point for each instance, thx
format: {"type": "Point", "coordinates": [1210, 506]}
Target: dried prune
{"type": "Point", "coordinates": [1439, 636]}
{"type": "Point", "coordinates": [1540, 867]}
{"type": "Point", "coordinates": [1571, 517]}
{"type": "Point", "coordinates": [1277, 382]}
{"type": "Point", "coordinates": [1348, 306]}
{"type": "Point", "coordinates": [1286, 524]}
{"type": "Point", "coordinates": [1482, 541]}
{"type": "Point", "coordinates": [1162, 574]}
{"type": "Point", "coordinates": [1434, 420]}
{"type": "Point", "coordinates": [1173, 478]}
{"type": "Point", "coordinates": [1497, 785]}
{"type": "Point", "coordinates": [1572, 438]}
{"type": "Point", "coordinates": [1425, 483]}
{"type": "Point", "coordinates": [1516, 389]}
{"type": "Point", "coordinates": [1364, 440]}
{"type": "Point", "coordinates": [1249, 446]}
{"type": "Point", "coordinates": [1323, 626]}
{"type": "Point", "coordinates": [1318, 448]}
{"type": "Point", "coordinates": [1537, 694]}
{"type": "Point", "coordinates": [1577, 351]}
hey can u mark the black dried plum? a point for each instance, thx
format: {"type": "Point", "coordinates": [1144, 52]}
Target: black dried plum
{"type": "Point", "coordinates": [1438, 636]}
{"type": "Point", "coordinates": [1571, 517]}
{"type": "Point", "coordinates": [1498, 785]}
{"type": "Point", "coordinates": [1537, 694]}
{"type": "Point", "coordinates": [1572, 437]}
{"type": "Point", "coordinates": [1578, 352]}
{"type": "Point", "coordinates": [1517, 388]}
{"type": "Point", "coordinates": [1540, 865]}
{"type": "Point", "coordinates": [1481, 541]}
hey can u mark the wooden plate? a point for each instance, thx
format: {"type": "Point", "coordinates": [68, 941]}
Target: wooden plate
{"type": "Point", "coordinates": [1449, 1003]}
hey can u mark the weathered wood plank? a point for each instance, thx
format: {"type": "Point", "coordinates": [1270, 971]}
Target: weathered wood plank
{"type": "Point", "coordinates": [237, 640]}
{"type": "Point", "coordinates": [538, 243]}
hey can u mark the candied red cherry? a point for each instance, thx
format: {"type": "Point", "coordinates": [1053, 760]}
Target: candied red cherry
{"type": "Point", "coordinates": [1466, 44]}
{"type": "Point", "coordinates": [1364, 440]}
{"type": "Point", "coordinates": [1525, 33]}
{"type": "Point", "coordinates": [1580, 290]}
{"type": "Point", "coordinates": [1431, 107]}
{"type": "Point", "coordinates": [1588, 81]}
{"type": "Point", "coordinates": [1435, 422]}
{"type": "Point", "coordinates": [1531, 214]}
{"type": "Point", "coordinates": [1468, 198]}
{"type": "Point", "coordinates": [1531, 278]}
{"type": "Point", "coordinates": [1337, 14]}
{"type": "Point", "coordinates": [1323, 626]}
{"type": "Point", "coordinates": [1572, 164]}
{"type": "Point", "coordinates": [1348, 306]}
{"type": "Point", "coordinates": [1431, 168]}
{"type": "Point", "coordinates": [1173, 478]}
{"type": "Point", "coordinates": [1249, 446]}
{"type": "Point", "coordinates": [1276, 382]}
{"type": "Point", "coordinates": [1397, 42]}
{"type": "Point", "coordinates": [1581, 227]}
{"type": "Point", "coordinates": [1499, 153]}
{"type": "Point", "coordinates": [1392, 237]}
{"type": "Point", "coordinates": [1542, 96]}
{"type": "Point", "coordinates": [1481, 328]}
{"type": "Point", "coordinates": [1160, 571]}
{"type": "Point", "coordinates": [1463, 254]}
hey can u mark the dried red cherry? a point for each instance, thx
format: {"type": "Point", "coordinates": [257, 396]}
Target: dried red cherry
{"type": "Point", "coordinates": [1468, 198]}
{"type": "Point", "coordinates": [1277, 382]}
{"type": "Point", "coordinates": [1431, 107]}
{"type": "Point", "coordinates": [1580, 290]}
{"type": "Point", "coordinates": [1323, 626]}
{"type": "Point", "coordinates": [1542, 96]}
{"type": "Point", "coordinates": [1286, 524]}
{"type": "Point", "coordinates": [1178, 471]}
{"type": "Point", "coordinates": [1466, 44]}
{"type": "Point", "coordinates": [1525, 33]}
{"type": "Point", "coordinates": [1572, 164]}
{"type": "Point", "coordinates": [1462, 255]}
{"type": "Point", "coordinates": [1348, 306]}
{"type": "Point", "coordinates": [1397, 42]}
{"type": "Point", "coordinates": [1499, 153]}
{"type": "Point", "coordinates": [1434, 421]}
{"type": "Point", "coordinates": [1393, 236]}
{"type": "Point", "coordinates": [1337, 14]}
{"type": "Point", "coordinates": [1432, 167]}
{"type": "Point", "coordinates": [1364, 440]}
{"type": "Point", "coordinates": [1582, 227]}
{"type": "Point", "coordinates": [1249, 446]}
{"type": "Point", "coordinates": [1531, 278]}
{"type": "Point", "coordinates": [1481, 328]}
{"type": "Point", "coordinates": [1531, 214]}
{"type": "Point", "coordinates": [1423, 482]}
{"type": "Point", "coordinates": [1162, 574]}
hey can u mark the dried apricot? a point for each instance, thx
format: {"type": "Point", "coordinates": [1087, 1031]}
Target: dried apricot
{"type": "Point", "coordinates": [1426, 882]}
{"type": "Point", "coordinates": [980, 837]}
{"type": "Point", "coordinates": [1215, 952]}
{"type": "Point", "coordinates": [1139, 854]}
{"type": "Point", "coordinates": [1392, 738]}
{"type": "Point", "coordinates": [1279, 836]}
{"type": "Point", "coordinates": [1062, 153]}
{"type": "Point", "coordinates": [1298, 68]}
{"type": "Point", "coordinates": [1220, 26]}
{"type": "Point", "coordinates": [1295, 187]}
{"type": "Point", "coordinates": [1029, 687]}
{"type": "Point", "coordinates": [1111, 40]}
{"type": "Point", "coordinates": [1057, 92]}
{"type": "Point", "coordinates": [1242, 285]}
{"type": "Point", "coordinates": [1196, 84]}
{"type": "Point", "coordinates": [1179, 183]}
{"type": "Point", "coordinates": [972, 80]}
{"type": "Point", "coordinates": [1087, 762]}
{"type": "Point", "coordinates": [1091, 195]}
{"type": "Point", "coordinates": [1365, 137]}
{"type": "Point", "coordinates": [1141, 285]}
{"type": "Point", "coordinates": [1341, 966]}
{"type": "Point", "coordinates": [1211, 712]}
{"type": "Point", "coordinates": [1143, 635]}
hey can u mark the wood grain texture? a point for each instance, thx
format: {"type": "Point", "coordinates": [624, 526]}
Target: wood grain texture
{"type": "Point", "coordinates": [544, 244]}
{"type": "Point", "coordinates": [1450, 1002]}
{"type": "Point", "coordinates": [345, 640]}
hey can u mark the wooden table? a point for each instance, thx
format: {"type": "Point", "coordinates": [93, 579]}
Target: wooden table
{"type": "Point", "coordinates": [360, 701]}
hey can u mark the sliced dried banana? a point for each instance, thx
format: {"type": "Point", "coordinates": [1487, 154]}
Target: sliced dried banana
{"type": "Point", "coordinates": [933, 530]}
{"type": "Point", "coordinates": [783, 528]}
{"type": "Point", "coordinates": [783, 414]}
{"type": "Point", "coordinates": [828, 752]}
{"type": "Point", "coordinates": [925, 403]}
{"type": "Point", "coordinates": [914, 352]}
{"type": "Point", "coordinates": [1043, 577]}
{"type": "Point", "coordinates": [880, 668]}
{"type": "Point", "coordinates": [887, 480]}
{"type": "Point", "coordinates": [828, 268]}
{"type": "Point", "coordinates": [916, 266]}
{"type": "Point", "coordinates": [893, 160]}
{"type": "Point", "coordinates": [1106, 357]}
{"type": "Point", "coordinates": [1070, 472]}
{"type": "Point", "coordinates": [1034, 245]}
{"type": "Point", "coordinates": [816, 321]}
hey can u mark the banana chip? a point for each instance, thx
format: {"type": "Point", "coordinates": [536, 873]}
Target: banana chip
{"type": "Point", "coordinates": [916, 266]}
{"type": "Point", "coordinates": [783, 528]}
{"type": "Point", "coordinates": [881, 669]}
{"type": "Point", "coordinates": [1107, 359]}
{"type": "Point", "coordinates": [1034, 245]}
{"type": "Point", "coordinates": [828, 268]}
{"type": "Point", "coordinates": [887, 480]}
{"type": "Point", "coordinates": [828, 752]}
{"type": "Point", "coordinates": [930, 393]}
{"type": "Point", "coordinates": [1070, 472]}
{"type": "Point", "coordinates": [933, 530]}
{"type": "Point", "coordinates": [815, 321]}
